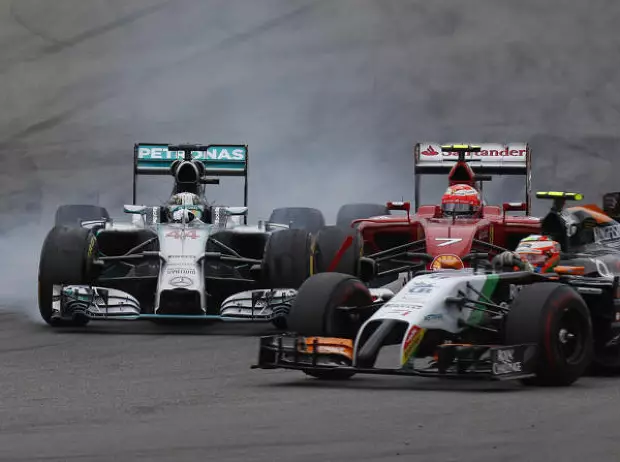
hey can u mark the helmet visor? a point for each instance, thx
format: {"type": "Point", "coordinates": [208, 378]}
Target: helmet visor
{"type": "Point", "coordinates": [459, 209]}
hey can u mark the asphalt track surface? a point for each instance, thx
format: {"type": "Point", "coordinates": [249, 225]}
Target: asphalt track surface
{"type": "Point", "coordinates": [330, 96]}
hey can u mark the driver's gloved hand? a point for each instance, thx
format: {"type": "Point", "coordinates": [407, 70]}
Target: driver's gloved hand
{"type": "Point", "coordinates": [509, 261]}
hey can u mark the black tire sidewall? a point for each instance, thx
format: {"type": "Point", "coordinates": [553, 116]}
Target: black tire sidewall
{"type": "Point", "coordinates": [314, 313]}
{"type": "Point", "coordinates": [67, 257]}
{"type": "Point", "coordinates": [536, 315]}
{"type": "Point", "coordinates": [329, 241]}
{"type": "Point", "coordinates": [288, 259]}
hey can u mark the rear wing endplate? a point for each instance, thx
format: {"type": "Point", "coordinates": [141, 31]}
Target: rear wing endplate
{"type": "Point", "coordinates": [219, 160]}
{"type": "Point", "coordinates": [433, 158]}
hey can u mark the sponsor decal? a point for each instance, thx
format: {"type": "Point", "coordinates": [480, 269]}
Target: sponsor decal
{"type": "Point", "coordinates": [436, 276]}
{"type": "Point", "coordinates": [91, 246]}
{"type": "Point", "coordinates": [180, 271]}
{"type": "Point", "coordinates": [412, 340]}
{"type": "Point", "coordinates": [182, 260]}
{"type": "Point", "coordinates": [181, 281]}
{"type": "Point", "coordinates": [433, 317]}
{"type": "Point", "coordinates": [446, 241]}
{"type": "Point", "coordinates": [421, 288]}
{"type": "Point", "coordinates": [607, 233]}
{"type": "Point", "coordinates": [430, 151]}
{"type": "Point", "coordinates": [447, 261]}
{"type": "Point", "coordinates": [505, 362]}
{"type": "Point", "coordinates": [506, 152]}
{"type": "Point", "coordinates": [213, 154]}
{"type": "Point", "coordinates": [402, 309]}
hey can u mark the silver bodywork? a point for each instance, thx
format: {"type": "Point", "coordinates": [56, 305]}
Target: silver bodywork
{"type": "Point", "coordinates": [182, 260]}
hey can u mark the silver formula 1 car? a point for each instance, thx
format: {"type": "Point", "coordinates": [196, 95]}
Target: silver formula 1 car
{"type": "Point", "coordinates": [185, 259]}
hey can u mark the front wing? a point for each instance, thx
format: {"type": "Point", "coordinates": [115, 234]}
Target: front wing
{"type": "Point", "coordinates": [101, 303]}
{"type": "Point", "coordinates": [321, 354]}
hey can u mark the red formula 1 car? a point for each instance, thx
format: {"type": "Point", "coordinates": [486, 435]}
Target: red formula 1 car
{"type": "Point", "coordinates": [465, 227]}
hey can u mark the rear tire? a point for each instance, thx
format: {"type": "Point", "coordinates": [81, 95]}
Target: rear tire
{"type": "Point", "coordinates": [306, 218]}
{"type": "Point", "coordinates": [314, 312]}
{"type": "Point", "coordinates": [350, 212]}
{"type": "Point", "coordinates": [70, 215]}
{"type": "Point", "coordinates": [66, 258]}
{"type": "Point", "coordinates": [288, 259]}
{"type": "Point", "coordinates": [554, 317]}
{"type": "Point", "coordinates": [328, 242]}
{"type": "Point", "coordinates": [287, 262]}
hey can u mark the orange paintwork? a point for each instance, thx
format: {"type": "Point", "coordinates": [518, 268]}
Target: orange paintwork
{"type": "Point", "coordinates": [327, 345]}
{"type": "Point", "coordinates": [594, 211]}
{"type": "Point", "coordinates": [573, 270]}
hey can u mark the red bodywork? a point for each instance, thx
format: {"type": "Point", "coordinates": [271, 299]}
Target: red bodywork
{"type": "Point", "coordinates": [428, 232]}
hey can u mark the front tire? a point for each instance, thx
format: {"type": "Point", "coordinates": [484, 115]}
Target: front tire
{"type": "Point", "coordinates": [554, 317]}
{"type": "Point", "coordinates": [314, 312]}
{"type": "Point", "coordinates": [67, 257]}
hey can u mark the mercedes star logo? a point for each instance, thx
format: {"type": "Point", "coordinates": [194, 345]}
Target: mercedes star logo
{"type": "Point", "coordinates": [181, 281]}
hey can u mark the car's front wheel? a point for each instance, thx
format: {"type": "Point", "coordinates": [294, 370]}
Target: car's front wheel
{"type": "Point", "coordinates": [67, 257]}
{"type": "Point", "coordinates": [556, 319]}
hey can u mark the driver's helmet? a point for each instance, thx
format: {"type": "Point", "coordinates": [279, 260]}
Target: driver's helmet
{"type": "Point", "coordinates": [461, 200]}
{"type": "Point", "coordinates": [185, 207]}
{"type": "Point", "coordinates": [542, 252]}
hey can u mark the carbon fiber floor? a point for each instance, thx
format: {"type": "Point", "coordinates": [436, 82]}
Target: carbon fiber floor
{"type": "Point", "coordinates": [330, 96]}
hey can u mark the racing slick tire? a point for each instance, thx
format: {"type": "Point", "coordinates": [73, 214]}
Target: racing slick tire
{"type": "Point", "coordinates": [350, 212]}
{"type": "Point", "coordinates": [314, 313]}
{"type": "Point", "coordinates": [70, 215]}
{"type": "Point", "coordinates": [67, 257]}
{"type": "Point", "coordinates": [327, 244]}
{"type": "Point", "coordinates": [306, 218]}
{"type": "Point", "coordinates": [555, 318]}
{"type": "Point", "coordinates": [288, 259]}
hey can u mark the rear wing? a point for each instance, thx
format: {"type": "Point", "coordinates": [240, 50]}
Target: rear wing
{"type": "Point", "coordinates": [219, 160]}
{"type": "Point", "coordinates": [432, 158]}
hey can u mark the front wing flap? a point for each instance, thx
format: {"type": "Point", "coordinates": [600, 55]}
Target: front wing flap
{"type": "Point", "coordinates": [485, 362]}
{"type": "Point", "coordinates": [101, 303]}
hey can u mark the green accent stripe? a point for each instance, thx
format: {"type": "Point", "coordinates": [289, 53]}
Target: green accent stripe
{"type": "Point", "coordinates": [488, 289]}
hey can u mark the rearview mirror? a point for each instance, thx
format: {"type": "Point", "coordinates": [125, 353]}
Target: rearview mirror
{"type": "Point", "coordinates": [138, 209]}
{"type": "Point", "coordinates": [399, 206]}
{"type": "Point", "coordinates": [514, 207]}
{"type": "Point", "coordinates": [235, 211]}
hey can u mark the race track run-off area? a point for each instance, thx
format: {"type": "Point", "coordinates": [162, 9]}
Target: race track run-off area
{"type": "Point", "coordinates": [330, 96]}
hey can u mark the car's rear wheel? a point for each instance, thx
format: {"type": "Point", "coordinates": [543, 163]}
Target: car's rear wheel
{"type": "Point", "coordinates": [315, 313]}
{"type": "Point", "coordinates": [306, 218]}
{"type": "Point", "coordinates": [67, 257]}
{"type": "Point", "coordinates": [287, 262]}
{"type": "Point", "coordinates": [556, 319]}
{"type": "Point", "coordinates": [328, 256]}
